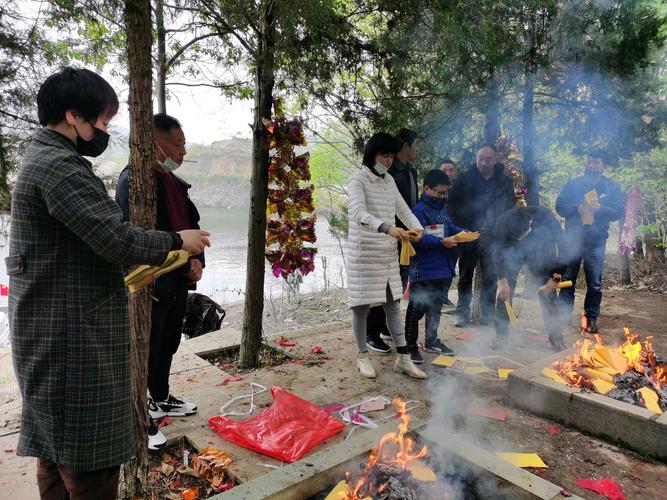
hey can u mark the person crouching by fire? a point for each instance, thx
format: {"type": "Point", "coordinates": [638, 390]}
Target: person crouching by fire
{"type": "Point", "coordinates": [529, 236]}
{"type": "Point", "coordinates": [373, 272]}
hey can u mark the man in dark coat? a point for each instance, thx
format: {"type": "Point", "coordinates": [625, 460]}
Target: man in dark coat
{"type": "Point", "coordinates": [68, 310]}
{"type": "Point", "coordinates": [588, 204]}
{"type": "Point", "coordinates": [175, 212]}
{"type": "Point", "coordinates": [479, 195]}
{"type": "Point", "coordinates": [405, 177]}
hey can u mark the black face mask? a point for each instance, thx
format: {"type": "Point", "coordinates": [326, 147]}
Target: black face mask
{"type": "Point", "coordinates": [94, 147]}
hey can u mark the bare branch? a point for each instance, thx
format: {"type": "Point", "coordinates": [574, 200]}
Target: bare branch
{"type": "Point", "coordinates": [20, 118]}
{"type": "Point", "coordinates": [185, 47]}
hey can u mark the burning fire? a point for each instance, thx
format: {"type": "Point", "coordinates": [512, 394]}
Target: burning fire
{"type": "Point", "coordinates": [394, 455]}
{"type": "Point", "coordinates": [597, 367]}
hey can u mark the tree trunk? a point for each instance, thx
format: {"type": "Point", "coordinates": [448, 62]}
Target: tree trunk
{"type": "Point", "coordinates": [5, 195]}
{"type": "Point", "coordinates": [624, 260]}
{"type": "Point", "coordinates": [142, 212]}
{"type": "Point", "coordinates": [529, 170]}
{"type": "Point", "coordinates": [161, 65]}
{"type": "Point", "coordinates": [254, 299]}
{"type": "Point", "coordinates": [492, 112]}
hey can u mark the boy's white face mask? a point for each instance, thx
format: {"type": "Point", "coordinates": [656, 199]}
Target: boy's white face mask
{"type": "Point", "coordinates": [168, 164]}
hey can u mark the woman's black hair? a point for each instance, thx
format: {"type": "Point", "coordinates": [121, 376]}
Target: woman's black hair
{"type": "Point", "coordinates": [436, 177]}
{"type": "Point", "coordinates": [78, 89]}
{"type": "Point", "coordinates": [380, 143]}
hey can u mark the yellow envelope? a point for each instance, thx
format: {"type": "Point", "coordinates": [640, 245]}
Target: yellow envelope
{"type": "Point", "coordinates": [510, 313]}
{"type": "Point", "coordinates": [523, 459]}
{"type": "Point", "coordinates": [471, 360]}
{"type": "Point", "coordinates": [446, 361]}
{"type": "Point", "coordinates": [503, 373]}
{"type": "Point", "coordinates": [475, 370]}
{"type": "Point", "coordinates": [650, 399]}
{"type": "Point", "coordinates": [602, 386]}
{"type": "Point", "coordinates": [553, 375]}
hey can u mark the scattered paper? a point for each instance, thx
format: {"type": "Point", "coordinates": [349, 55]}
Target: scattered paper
{"type": "Point", "coordinates": [523, 459]}
{"type": "Point", "coordinates": [283, 342]}
{"type": "Point", "coordinates": [317, 350]}
{"type": "Point", "coordinates": [554, 430]}
{"type": "Point", "coordinates": [375, 404]}
{"type": "Point", "coordinates": [166, 420]}
{"type": "Point", "coordinates": [602, 386]}
{"type": "Point", "coordinates": [484, 411]}
{"type": "Point", "coordinates": [605, 487]}
{"type": "Point", "coordinates": [503, 373]}
{"type": "Point", "coordinates": [553, 375]}
{"type": "Point", "coordinates": [510, 313]}
{"type": "Point", "coordinates": [446, 361]}
{"type": "Point", "coordinates": [650, 399]}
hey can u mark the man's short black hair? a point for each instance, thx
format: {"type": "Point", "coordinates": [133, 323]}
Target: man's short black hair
{"type": "Point", "coordinates": [77, 89]}
{"type": "Point", "coordinates": [379, 144]}
{"type": "Point", "coordinates": [447, 160]}
{"type": "Point", "coordinates": [601, 154]}
{"type": "Point", "coordinates": [406, 136]}
{"type": "Point", "coordinates": [489, 146]}
{"type": "Point", "coordinates": [165, 123]}
{"type": "Point", "coordinates": [436, 177]}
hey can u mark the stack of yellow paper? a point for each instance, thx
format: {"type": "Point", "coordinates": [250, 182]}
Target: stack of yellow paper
{"type": "Point", "coordinates": [553, 375]}
{"type": "Point", "coordinates": [466, 237]}
{"type": "Point", "coordinates": [650, 399]}
{"type": "Point", "coordinates": [145, 274]}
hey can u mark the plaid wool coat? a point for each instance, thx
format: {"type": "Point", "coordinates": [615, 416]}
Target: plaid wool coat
{"type": "Point", "coordinates": [68, 309]}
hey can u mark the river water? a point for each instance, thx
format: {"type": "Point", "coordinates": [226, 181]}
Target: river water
{"type": "Point", "coordinates": [225, 273]}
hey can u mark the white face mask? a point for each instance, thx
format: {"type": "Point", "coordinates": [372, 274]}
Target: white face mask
{"type": "Point", "coordinates": [380, 168]}
{"type": "Point", "coordinates": [168, 164]}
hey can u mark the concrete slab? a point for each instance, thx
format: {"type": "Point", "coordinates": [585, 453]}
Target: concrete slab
{"type": "Point", "coordinates": [621, 423]}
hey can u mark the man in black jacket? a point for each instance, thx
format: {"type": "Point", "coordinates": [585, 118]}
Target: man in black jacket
{"type": "Point", "coordinates": [175, 211]}
{"type": "Point", "coordinates": [405, 176]}
{"type": "Point", "coordinates": [479, 196]}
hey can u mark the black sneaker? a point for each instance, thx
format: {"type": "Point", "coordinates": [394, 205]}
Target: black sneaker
{"type": "Point", "coordinates": [154, 410]}
{"type": "Point", "coordinates": [415, 355]}
{"type": "Point", "coordinates": [378, 345]}
{"type": "Point", "coordinates": [461, 322]}
{"type": "Point", "coordinates": [175, 407]}
{"type": "Point", "coordinates": [438, 347]}
{"type": "Point", "coordinates": [592, 325]}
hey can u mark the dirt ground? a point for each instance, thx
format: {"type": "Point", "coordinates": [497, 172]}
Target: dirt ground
{"type": "Point", "coordinates": [444, 398]}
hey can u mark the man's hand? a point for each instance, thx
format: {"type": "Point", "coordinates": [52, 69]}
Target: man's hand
{"type": "Point", "coordinates": [195, 272]}
{"type": "Point", "coordinates": [398, 233]}
{"type": "Point", "coordinates": [551, 285]}
{"type": "Point", "coordinates": [503, 289]}
{"type": "Point", "coordinates": [194, 240]}
{"type": "Point", "coordinates": [588, 208]}
{"type": "Point", "coordinates": [449, 242]}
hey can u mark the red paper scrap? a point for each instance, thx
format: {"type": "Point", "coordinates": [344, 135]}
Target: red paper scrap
{"type": "Point", "coordinates": [604, 486]}
{"type": "Point", "coordinates": [166, 420]}
{"type": "Point", "coordinates": [488, 412]}
{"type": "Point", "coordinates": [228, 380]}
{"type": "Point", "coordinates": [553, 430]}
{"type": "Point", "coordinates": [283, 342]}
{"type": "Point", "coordinates": [317, 350]}
{"type": "Point", "coordinates": [463, 336]}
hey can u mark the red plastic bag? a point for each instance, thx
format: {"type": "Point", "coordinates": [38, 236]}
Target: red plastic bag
{"type": "Point", "coordinates": [287, 430]}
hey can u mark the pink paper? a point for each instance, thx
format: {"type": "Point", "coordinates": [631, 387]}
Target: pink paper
{"type": "Point", "coordinates": [484, 411]}
{"type": "Point", "coordinates": [373, 405]}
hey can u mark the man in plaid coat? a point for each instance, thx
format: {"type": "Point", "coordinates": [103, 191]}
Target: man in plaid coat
{"type": "Point", "coordinates": [67, 304]}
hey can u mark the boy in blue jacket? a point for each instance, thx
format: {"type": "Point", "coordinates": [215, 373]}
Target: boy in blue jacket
{"type": "Point", "coordinates": [432, 268]}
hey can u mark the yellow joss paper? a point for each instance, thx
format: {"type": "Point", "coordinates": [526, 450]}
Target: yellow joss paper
{"type": "Point", "coordinates": [340, 492]}
{"type": "Point", "coordinates": [446, 361]}
{"type": "Point", "coordinates": [421, 472]}
{"type": "Point", "coordinates": [591, 197]}
{"type": "Point", "coordinates": [466, 237]}
{"type": "Point", "coordinates": [523, 459]}
{"type": "Point", "coordinates": [565, 284]}
{"type": "Point", "coordinates": [650, 399]}
{"type": "Point", "coordinates": [602, 386]}
{"type": "Point", "coordinates": [503, 373]}
{"type": "Point", "coordinates": [475, 370]}
{"type": "Point", "coordinates": [510, 313]}
{"type": "Point", "coordinates": [407, 251]}
{"type": "Point", "coordinates": [145, 274]}
{"type": "Point", "coordinates": [553, 375]}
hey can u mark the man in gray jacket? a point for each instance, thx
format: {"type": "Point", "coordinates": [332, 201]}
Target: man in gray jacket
{"type": "Point", "coordinates": [68, 310]}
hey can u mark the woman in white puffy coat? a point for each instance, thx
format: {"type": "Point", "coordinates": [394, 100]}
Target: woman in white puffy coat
{"type": "Point", "coordinates": [373, 272]}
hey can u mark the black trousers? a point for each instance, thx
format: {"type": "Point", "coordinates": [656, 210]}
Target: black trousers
{"type": "Point", "coordinates": [376, 322]}
{"type": "Point", "coordinates": [426, 298]}
{"type": "Point", "coordinates": [166, 327]}
{"type": "Point", "coordinates": [471, 255]}
{"type": "Point", "coordinates": [59, 482]}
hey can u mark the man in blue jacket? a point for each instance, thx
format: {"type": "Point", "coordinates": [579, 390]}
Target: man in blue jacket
{"type": "Point", "coordinates": [588, 204]}
{"type": "Point", "coordinates": [431, 269]}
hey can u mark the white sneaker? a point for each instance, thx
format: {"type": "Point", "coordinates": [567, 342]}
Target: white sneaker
{"type": "Point", "coordinates": [365, 366]}
{"type": "Point", "coordinates": [154, 410]}
{"type": "Point", "coordinates": [174, 407]}
{"type": "Point", "coordinates": [405, 365]}
{"type": "Point", "coordinates": [385, 336]}
{"type": "Point", "coordinates": [156, 439]}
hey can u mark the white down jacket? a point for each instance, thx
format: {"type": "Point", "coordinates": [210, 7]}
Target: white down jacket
{"type": "Point", "coordinates": [373, 256]}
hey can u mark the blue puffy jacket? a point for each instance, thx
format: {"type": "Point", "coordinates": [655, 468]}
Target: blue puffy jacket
{"type": "Point", "coordinates": [433, 260]}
